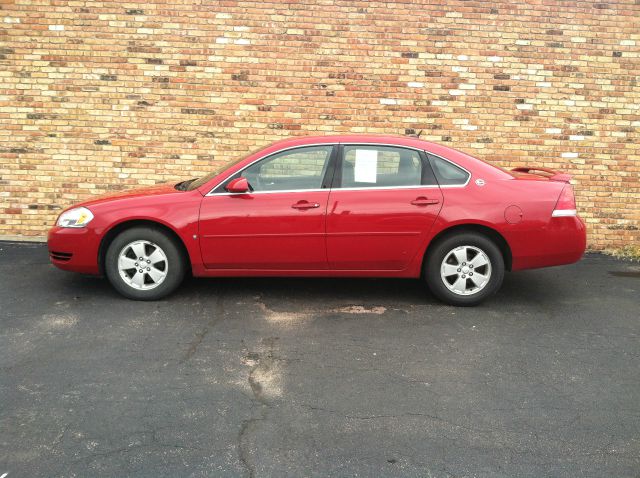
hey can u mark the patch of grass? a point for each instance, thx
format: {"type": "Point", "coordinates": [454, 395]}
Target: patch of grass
{"type": "Point", "coordinates": [631, 252]}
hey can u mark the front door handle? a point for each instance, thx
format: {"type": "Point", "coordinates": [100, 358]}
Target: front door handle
{"type": "Point", "coordinates": [305, 205]}
{"type": "Point", "coordinates": [423, 201]}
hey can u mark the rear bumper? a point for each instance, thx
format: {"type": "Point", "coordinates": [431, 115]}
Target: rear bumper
{"type": "Point", "coordinates": [562, 241]}
{"type": "Point", "coordinates": [74, 249]}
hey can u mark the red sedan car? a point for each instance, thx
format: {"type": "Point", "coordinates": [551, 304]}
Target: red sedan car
{"type": "Point", "coordinates": [339, 206]}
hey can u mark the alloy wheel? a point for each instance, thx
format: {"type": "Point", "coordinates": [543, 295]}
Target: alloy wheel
{"type": "Point", "coordinates": [465, 270]}
{"type": "Point", "coordinates": [142, 265]}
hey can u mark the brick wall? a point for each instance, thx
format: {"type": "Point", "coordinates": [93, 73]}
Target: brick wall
{"type": "Point", "coordinates": [103, 95]}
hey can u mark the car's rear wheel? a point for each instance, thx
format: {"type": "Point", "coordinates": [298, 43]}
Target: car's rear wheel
{"type": "Point", "coordinates": [144, 263]}
{"type": "Point", "coordinates": [464, 269]}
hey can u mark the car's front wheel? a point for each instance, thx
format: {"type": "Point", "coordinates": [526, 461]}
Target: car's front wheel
{"type": "Point", "coordinates": [144, 263]}
{"type": "Point", "coordinates": [464, 269]}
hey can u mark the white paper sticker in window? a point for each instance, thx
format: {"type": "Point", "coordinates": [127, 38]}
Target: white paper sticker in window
{"type": "Point", "coordinates": [366, 168]}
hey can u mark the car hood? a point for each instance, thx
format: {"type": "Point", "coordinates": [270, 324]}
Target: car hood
{"type": "Point", "coordinates": [155, 190]}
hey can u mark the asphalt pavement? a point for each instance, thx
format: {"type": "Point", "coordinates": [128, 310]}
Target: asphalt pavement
{"type": "Point", "coordinates": [319, 377]}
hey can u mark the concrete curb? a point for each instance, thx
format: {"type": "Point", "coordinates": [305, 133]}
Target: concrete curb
{"type": "Point", "coordinates": [23, 238]}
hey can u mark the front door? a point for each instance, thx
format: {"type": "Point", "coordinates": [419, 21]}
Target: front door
{"type": "Point", "coordinates": [280, 224]}
{"type": "Point", "coordinates": [382, 205]}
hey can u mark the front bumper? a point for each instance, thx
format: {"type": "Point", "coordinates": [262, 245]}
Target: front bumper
{"type": "Point", "coordinates": [74, 249]}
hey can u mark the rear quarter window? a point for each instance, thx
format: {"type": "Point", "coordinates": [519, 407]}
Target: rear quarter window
{"type": "Point", "coordinates": [447, 173]}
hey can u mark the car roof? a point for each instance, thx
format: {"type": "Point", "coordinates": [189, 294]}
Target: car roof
{"type": "Point", "coordinates": [390, 139]}
{"type": "Point", "coordinates": [464, 159]}
{"type": "Point", "coordinates": [353, 138]}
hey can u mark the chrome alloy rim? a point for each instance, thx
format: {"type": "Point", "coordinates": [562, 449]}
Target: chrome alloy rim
{"type": "Point", "coordinates": [465, 270]}
{"type": "Point", "coordinates": [143, 265]}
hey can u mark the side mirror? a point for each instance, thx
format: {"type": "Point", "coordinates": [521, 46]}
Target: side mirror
{"type": "Point", "coordinates": [238, 185]}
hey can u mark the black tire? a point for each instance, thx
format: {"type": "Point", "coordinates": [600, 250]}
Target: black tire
{"type": "Point", "coordinates": [444, 248]}
{"type": "Point", "coordinates": [174, 263]}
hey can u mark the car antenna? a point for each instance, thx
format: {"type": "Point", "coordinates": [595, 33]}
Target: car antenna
{"type": "Point", "coordinates": [415, 135]}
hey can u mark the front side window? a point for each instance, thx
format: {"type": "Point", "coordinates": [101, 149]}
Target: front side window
{"type": "Point", "coordinates": [448, 174]}
{"type": "Point", "coordinates": [370, 166]}
{"type": "Point", "coordinates": [300, 168]}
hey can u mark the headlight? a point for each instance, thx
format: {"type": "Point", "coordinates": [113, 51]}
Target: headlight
{"type": "Point", "coordinates": [76, 217]}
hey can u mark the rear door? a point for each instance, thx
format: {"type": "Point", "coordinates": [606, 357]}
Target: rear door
{"type": "Point", "coordinates": [383, 202]}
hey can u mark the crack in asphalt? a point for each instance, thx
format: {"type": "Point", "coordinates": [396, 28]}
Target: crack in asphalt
{"type": "Point", "coordinates": [217, 316]}
{"type": "Point", "coordinates": [127, 449]}
{"type": "Point", "coordinates": [263, 364]}
{"type": "Point", "coordinates": [243, 453]}
{"type": "Point", "coordinates": [148, 439]}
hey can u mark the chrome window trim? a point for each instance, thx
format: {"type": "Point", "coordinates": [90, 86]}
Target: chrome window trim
{"type": "Point", "coordinates": [331, 190]}
{"type": "Point", "coordinates": [273, 192]}
{"type": "Point", "coordinates": [420, 186]}
{"type": "Point", "coordinates": [212, 192]}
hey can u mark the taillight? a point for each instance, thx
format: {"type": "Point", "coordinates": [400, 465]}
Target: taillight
{"type": "Point", "coordinates": [566, 205]}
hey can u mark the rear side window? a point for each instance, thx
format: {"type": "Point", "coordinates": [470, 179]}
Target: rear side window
{"type": "Point", "coordinates": [370, 166]}
{"type": "Point", "coordinates": [448, 174]}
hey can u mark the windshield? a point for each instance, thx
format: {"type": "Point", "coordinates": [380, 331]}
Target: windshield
{"type": "Point", "coordinates": [196, 183]}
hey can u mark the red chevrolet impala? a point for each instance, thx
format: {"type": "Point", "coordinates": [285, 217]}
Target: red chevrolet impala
{"type": "Point", "coordinates": [340, 206]}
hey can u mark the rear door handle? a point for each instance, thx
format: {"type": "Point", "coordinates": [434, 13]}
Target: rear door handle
{"type": "Point", "coordinates": [305, 205]}
{"type": "Point", "coordinates": [423, 201]}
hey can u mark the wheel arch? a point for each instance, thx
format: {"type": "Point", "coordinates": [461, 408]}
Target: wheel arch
{"type": "Point", "coordinates": [116, 229]}
{"type": "Point", "coordinates": [487, 231]}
